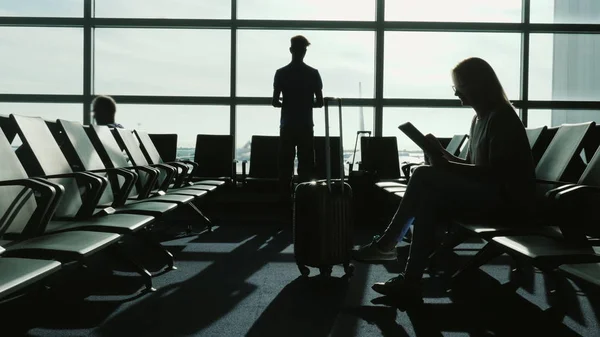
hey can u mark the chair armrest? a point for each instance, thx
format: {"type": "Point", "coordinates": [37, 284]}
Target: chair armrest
{"type": "Point", "coordinates": [191, 163]}
{"type": "Point", "coordinates": [180, 177]}
{"type": "Point", "coordinates": [95, 186]}
{"type": "Point", "coordinates": [146, 189]}
{"type": "Point", "coordinates": [171, 173]}
{"type": "Point", "coordinates": [47, 198]}
{"type": "Point", "coordinates": [234, 172]}
{"type": "Point", "coordinates": [124, 190]}
{"type": "Point", "coordinates": [577, 208]}
{"type": "Point", "coordinates": [552, 193]}
{"type": "Point", "coordinates": [244, 175]}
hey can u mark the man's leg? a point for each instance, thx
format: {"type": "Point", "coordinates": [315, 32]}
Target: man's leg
{"type": "Point", "coordinates": [287, 152]}
{"type": "Point", "coordinates": [306, 155]}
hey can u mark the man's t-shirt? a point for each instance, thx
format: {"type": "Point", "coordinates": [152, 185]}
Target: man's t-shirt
{"type": "Point", "coordinates": [298, 83]}
{"type": "Point", "coordinates": [499, 141]}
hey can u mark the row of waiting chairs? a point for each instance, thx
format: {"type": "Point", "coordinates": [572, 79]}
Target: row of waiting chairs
{"type": "Point", "coordinates": [562, 237]}
{"type": "Point", "coordinates": [71, 191]}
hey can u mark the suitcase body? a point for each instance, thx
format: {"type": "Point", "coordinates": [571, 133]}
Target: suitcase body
{"type": "Point", "coordinates": [323, 223]}
{"type": "Point", "coordinates": [322, 216]}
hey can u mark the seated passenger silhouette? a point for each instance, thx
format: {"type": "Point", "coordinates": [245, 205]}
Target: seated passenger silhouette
{"type": "Point", "coordinates": [104, 109]}
{"type": "Point", "coordinates": [298, 84]}
{"type": "Point", "coordinates": [498, 177]}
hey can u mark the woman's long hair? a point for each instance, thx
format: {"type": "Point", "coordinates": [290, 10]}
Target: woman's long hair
{"type": "Point", "coordinates": [480, 80]}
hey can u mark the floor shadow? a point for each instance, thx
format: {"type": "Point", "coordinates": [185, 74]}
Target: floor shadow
{"type": "Point", "coordinates": [383, 317]}
{"type": "Point", "coordinates": [308, 306]}
{"type": "Point", "coordinates": [188, 307]}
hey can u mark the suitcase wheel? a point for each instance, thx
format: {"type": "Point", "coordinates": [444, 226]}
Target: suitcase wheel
{"type": "Point", "coordinates": [304, 270]}
{"type": "Point", "coordinates": [325, 271]}
{"type": "Point", "coordinates": [349, 269]}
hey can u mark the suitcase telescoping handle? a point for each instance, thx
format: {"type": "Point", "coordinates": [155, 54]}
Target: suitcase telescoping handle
{"type": "Point", "coordinates": [327, 142]}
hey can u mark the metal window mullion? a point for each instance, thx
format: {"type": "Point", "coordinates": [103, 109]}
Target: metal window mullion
{"type": "Point", "coordinates": [233, 77]}
{"type": "Point", "coordinates": [525, 35]}
{"type": "Point", "coordinates": [379, 50]}
{"type": "Point", "coordinates": [87, 59]}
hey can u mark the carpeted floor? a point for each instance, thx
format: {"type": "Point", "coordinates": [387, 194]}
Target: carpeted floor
{"type": "Point", "coordinates": [242, 280]}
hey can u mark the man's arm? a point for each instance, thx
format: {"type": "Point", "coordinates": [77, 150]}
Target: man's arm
{"type": "Point", "coordinates": [276, 91]}
{"type": "Point", "coordinates": [275, 101]}
{"type": "Point", "coordinates": [318, 92]}
{"type": "Point", "coordinates": [319, 102]}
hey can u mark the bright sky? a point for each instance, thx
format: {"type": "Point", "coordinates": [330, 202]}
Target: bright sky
{"type": "Point", "coordinates": [196, 62]}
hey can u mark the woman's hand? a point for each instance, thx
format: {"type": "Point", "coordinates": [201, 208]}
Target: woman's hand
{"type": "Point", "coordinates": [439, 161]}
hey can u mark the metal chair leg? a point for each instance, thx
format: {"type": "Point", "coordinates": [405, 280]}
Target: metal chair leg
{"type": "Point", "coordinates": [487, 253]}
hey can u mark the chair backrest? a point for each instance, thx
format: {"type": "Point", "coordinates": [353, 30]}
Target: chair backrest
{"type": "Point", "coordinates": [213, 155]}
{"type": "Point", "coordinates": [464, 151]}
{"type": "Point", "coordinates": [166, 144]}
{"type": "Point", "coordinates": [558, 161]}
{"type": "Point", "coordinates": [77, 142]}
{"type": "Point", "coordinates": [148, 148]}
{"type": "Point", "coordinates": [320, 165]}
{"type": "Point", "coordinates": [263, 157]}
{"type": "Point", "coordinates": [109, 150]}
{"type": "Point", "coordinates": [49, 160]}
{"type": "Point", "coordinates": [455, 144]}
{"type": "Point", "coordinates": [17, 203]}
{"type": "Point", "coordinates": [539, 139]}
{"type": "Point", "coordinates": [380, 154]}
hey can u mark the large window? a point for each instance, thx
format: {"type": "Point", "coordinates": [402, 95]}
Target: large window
{"type": "Point", "coordinates": [419, 64]}
{"type": "Point", "coordinates": [564, 67]}
{"type": "Point", "coordinates": [41, 60]}
{"type": "Point", "coordinates": [565, 11]}
{"type": "Point", "coordinates": [456, 10]}
{"type": "Point", "coordinates": [174, 9]}
{"type": "Point", "coordinates": [342, 10]}
{"type": "Point", "coordinates": [184, 120]}
{"type": "Point", "coordinates": [162, 62]}
{"type": "Point", "coordinates": [443, 123]}
{"type": "Point", "coordinates": [56, 8]}
{"type": "Point", "coordinates": [345, 60]}
{"type": "Point", "coordinates": [48, 111]}
{"type": "Point", "coordinates": [557, 117]}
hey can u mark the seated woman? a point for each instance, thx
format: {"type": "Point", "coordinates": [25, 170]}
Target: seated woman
{"type": "Point", "coordinates": [497, 177]}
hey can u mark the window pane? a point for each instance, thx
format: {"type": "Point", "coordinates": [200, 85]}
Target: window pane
{"type": "Point", "coordinates": [184, 120]}
{"type": "Point", "coordinates": [261, 120]}
{"type": "Point", "coordinates": [564, 67]}
{"type": "Point", "coordinates": [565, 11]}
{"type": "Point", "coordinates": [557, 117]}
{"type": "Point", "coordinates": [162, 62]}
{"type": "Point", "coordinates": [41, 60]}
{"type": "Point", "coordinates": [456, 11]}
{"type": "Point", "coordinates": [173, 9]}
{"type": "Point", "coordinates": [344, 59]}
{"type": "Point", "coordinates": [425, 70]}
{"type": "Point", "coordinates": [439, 122]}
{"type": "Point", "coordinates": [48, 111]}
{"type": "Point", "coordinates": [42, 8]}
{"type": "Point", "coordinates": [340, 10]}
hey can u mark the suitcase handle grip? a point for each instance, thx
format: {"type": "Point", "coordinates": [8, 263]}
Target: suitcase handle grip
{"type": "Point", "coordinates": [328, 143]}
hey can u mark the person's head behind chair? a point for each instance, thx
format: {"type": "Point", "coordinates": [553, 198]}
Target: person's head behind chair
{"type": "Point", "coordinates": [104, 109]}
{"type": "Point", "coordinates": [298, 47]}
{"type": "Point", "coordinates": [476, 84]}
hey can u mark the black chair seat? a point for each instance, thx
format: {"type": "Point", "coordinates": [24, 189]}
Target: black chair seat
{"type": "Point", "coordinates": [587, 272]}
{"type": "Point", "coordinates": [201, 187]}
{"type": "Point", "coordinates": [188, 192]}
{"type": "Point", "coordinates": [171, 198]}
{"type": "Point", "coordinates": [67, 245]}
{"type": "Point", "coordinates": [492, 230]}
{"type": "Point", "coordinates": [548, 251]}
{"type": "Point", "coordinates": [395, 189]}
{"type": "Point", "coordinates": [18, 273]}
{"type": "Point", "coordinates": [147, 208]}
{"type": "Point", "coordinates": [214, 182]}
{"type": "Point", "coordinates": [115, 223]}
{"type": "Point", "coordinates": [386, 184]}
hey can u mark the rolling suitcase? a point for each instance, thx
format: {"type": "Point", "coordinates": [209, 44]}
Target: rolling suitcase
{"type": "Point", "coordinates": [322, 216]}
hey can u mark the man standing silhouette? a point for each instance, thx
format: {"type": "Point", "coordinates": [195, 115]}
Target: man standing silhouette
{"type": "Point", "coordinates": [298, 83]}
